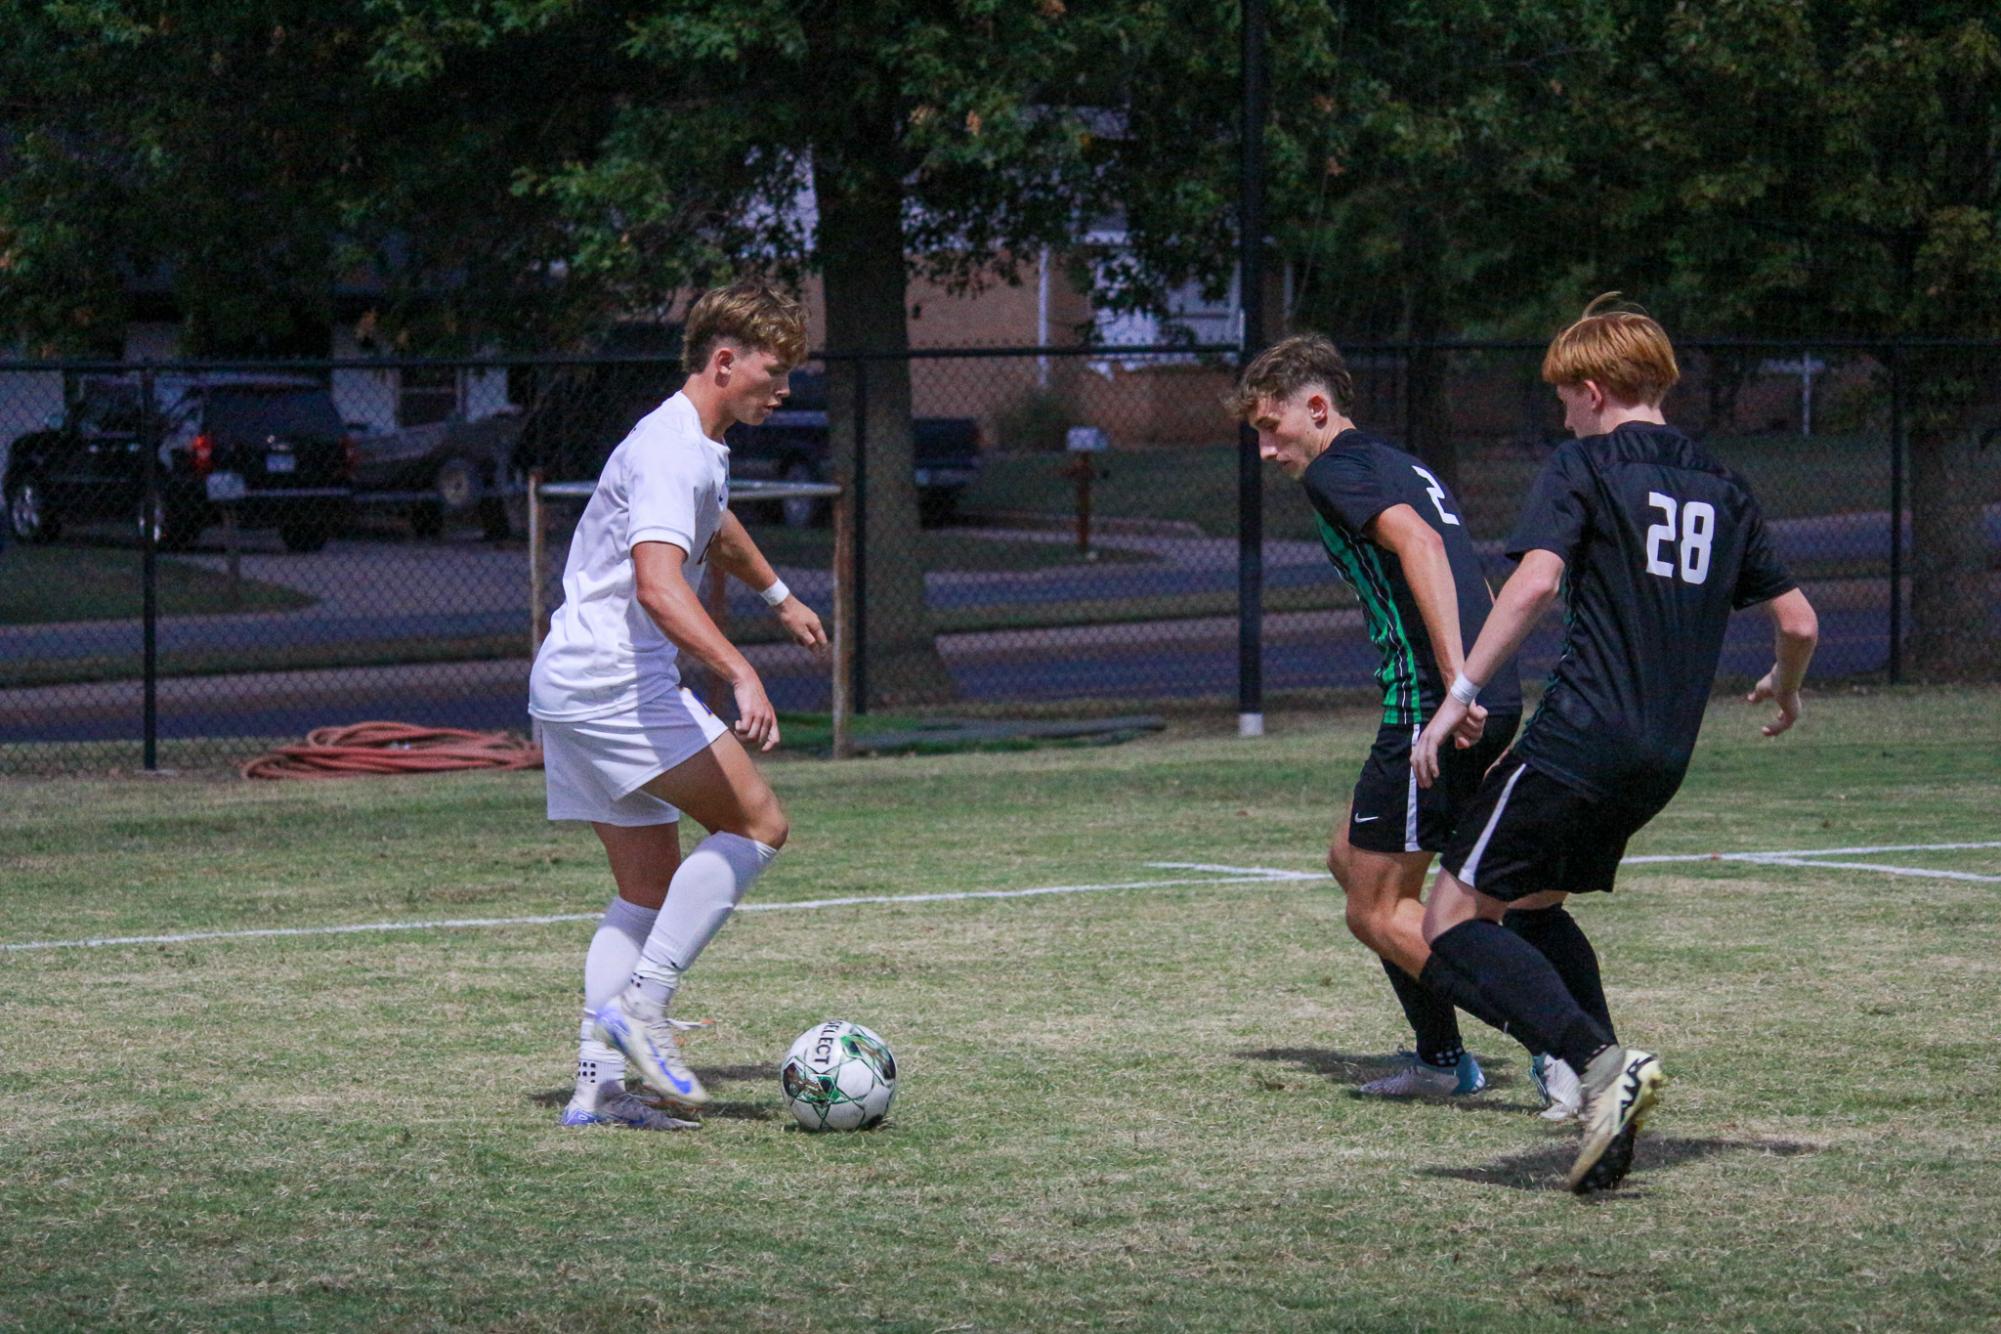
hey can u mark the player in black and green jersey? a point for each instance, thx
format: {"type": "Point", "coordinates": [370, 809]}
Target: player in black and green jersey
{"type": "Point", "coordinates": [1395, 533]}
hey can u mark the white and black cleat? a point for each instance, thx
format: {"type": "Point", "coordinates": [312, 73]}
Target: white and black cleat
{"type": "Point", "coordinates": [1620, 1089]}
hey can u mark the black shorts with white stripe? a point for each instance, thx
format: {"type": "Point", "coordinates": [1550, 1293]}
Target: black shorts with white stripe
{"type": "Point", "coordinates": [1391, 813]}
{"type": "Point", "coordinates": [1525, 832]}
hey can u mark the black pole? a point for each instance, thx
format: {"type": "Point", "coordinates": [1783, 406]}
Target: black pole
{"type": "Point", "coordinates": [1896, 517]}
{"type": "Point", "coordinates": [150, 511]}
{"type": "Point", "coordinates": [858, 694]}
{"type": "Point", "coordinates": [1250, 285]}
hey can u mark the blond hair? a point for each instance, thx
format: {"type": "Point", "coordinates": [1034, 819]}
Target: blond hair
{"type": "Point", "coordinates": [1288, 366]}
{"type": "Point", "coordinates": [1625, 351]}
{"type": "Point", "coordinates": [754, 317]}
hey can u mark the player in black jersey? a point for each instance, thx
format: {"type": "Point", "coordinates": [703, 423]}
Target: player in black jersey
{"type": "Point", "coordinates": [1394, 532]}
{"type": "Point", "coordinates": [1652, 545]}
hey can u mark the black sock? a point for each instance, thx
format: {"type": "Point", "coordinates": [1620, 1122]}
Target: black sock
{"type": "Point", "coordinates": [1500, 972]}
{"type": "Point", "coordinates": [1559, 939]}
{"type": "Point", "coordinates": [1431, 1019]}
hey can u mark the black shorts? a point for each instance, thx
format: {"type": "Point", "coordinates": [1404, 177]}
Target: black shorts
{"type": "Point", "coordinates": [1393, 814]}
{"type": "Point", "coordinates": [1525, 832]}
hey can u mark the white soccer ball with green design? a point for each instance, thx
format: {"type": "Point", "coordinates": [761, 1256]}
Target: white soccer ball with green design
{"type": "Point", "coordinates": [838, 1076]}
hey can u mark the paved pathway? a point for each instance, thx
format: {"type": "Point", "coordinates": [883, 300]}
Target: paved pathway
{"type": "Point", "coordinates": [378, 591]}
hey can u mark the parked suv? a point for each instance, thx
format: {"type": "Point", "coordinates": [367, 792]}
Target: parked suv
{"type": "Point", "coordinates": [270, 447]}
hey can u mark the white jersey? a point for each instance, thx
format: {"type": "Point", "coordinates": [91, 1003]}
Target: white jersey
{"type": "Point", "coordinates": [667, 482]}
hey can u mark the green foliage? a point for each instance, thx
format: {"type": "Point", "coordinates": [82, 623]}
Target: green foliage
{"type": "Point", "coordinates": [1037, 420]}
{"type": "Point", "coordinates": [1421, 167]}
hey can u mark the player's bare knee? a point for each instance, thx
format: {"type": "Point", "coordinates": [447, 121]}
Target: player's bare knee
{"type": "Point", "coordinates": [1340, 863]}
{"type": "Point", "coordinates": [1367, 923]}
{"type": "Point", "coordinates": [769, 825]}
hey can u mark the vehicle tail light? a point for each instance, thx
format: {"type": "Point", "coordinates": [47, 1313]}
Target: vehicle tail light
{"type": "Point", "coordinates": [202, 454]}
{"type": "Point", "coordinates": [350, 457]}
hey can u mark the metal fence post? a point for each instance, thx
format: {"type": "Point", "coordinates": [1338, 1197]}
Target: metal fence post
{"type": "Point", "coordinates": [1250, 289]}
{"type": "Point", "coordinates": [1896, 516]}
{"type": "Point", "coordinates": [151, 514]}
{"type": "Point", "coordinates": [858, 689]}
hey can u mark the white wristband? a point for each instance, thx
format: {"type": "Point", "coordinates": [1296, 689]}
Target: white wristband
{"type": "Point", "coordinates": [1464, 690]}
{"type": "Point", "coordinates": [775, 594]}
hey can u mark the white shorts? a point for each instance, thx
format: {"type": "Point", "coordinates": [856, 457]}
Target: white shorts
{"type": "Point", "coordinates": [596, 766]}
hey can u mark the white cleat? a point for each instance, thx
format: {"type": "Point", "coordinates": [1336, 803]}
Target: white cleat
{"type": "Point", "coordinates": [616, 1107]}
{"type": "Point", "coordinates": [1557, 1082]}
{"type": "Point", "coordinates": [1621, 1087]}
{"type": "Point", "coordinates": [645, 1035]}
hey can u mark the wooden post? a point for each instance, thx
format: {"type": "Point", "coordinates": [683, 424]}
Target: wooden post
{"type": "Point", "coordinates": [844, 623]}
{"type": "Point", "coordinates": [1080, 469]}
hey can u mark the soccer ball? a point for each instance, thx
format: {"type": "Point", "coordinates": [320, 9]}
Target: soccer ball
{"type": "Point", "coordinates": [838, 1076]}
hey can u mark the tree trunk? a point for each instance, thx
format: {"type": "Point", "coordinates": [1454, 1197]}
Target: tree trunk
{"type": "Point", "coordinates": [1952, 591]}
{"type": "Point", "coordinates": [1427, 406]}
{"type": "Point", "coordinates": [862, 262]}
{"type": "Point", "coordinates": [1430, 410]}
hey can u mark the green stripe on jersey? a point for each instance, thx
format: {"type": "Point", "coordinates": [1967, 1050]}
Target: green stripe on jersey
{"type": "Point", "coordinates": [1361, 565]}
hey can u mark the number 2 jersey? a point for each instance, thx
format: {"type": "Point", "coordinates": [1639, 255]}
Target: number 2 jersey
{"type": "Point", "coordinates": [1354, 479]}
{"type": "Point", "coordinates": [1660, 544]}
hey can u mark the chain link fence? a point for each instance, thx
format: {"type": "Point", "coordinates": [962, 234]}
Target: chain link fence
{"type": "Point", "coordinates": [204, 559]}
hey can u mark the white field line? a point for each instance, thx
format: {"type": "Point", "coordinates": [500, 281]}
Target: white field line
{"type": "Point", "coordinates": [1262, 872]}
{"type": "Point", "coordinates": [1236, 876]}
{"type": "Point", "coordinates": [1222, 875]}
{"type": "Point", "coordinates": [1923, 872]}
{"type": "Point", "coordinates": [1807, 852]}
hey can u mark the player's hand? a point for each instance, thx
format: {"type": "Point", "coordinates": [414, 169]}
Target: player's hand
{"type": "Point", "coordinates": [1424, 755]}
{"type": "Point", "coordinates": [803, 624]}
{"type": "Point", "coordinates": [1471, 728]}
{"type": "Point", "coordinates": [756, 720]}
{"type": "Point", "coordinates": [1788, 702]}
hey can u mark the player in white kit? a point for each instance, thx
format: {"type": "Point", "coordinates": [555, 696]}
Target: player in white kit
{"type": "Point", "coordinates": [627, 746]}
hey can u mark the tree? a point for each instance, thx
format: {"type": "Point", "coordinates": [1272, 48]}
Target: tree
{"type": "Point", "coordinates": [939, 140]}
{"type": "Point", "coordinates": [1422, 174]}
{"type": "Point", "coordinates": [245, 161]}
{"type": "Point", "coordinates": [166, 148]}
{"type": "Point", "coordinates": [1835, 167]}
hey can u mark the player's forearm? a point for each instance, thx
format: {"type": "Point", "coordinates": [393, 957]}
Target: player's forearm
{"type": "Point", "coordinates": [735, 554]}
{"type": "Point", "coordinates": [1429, 573]}
{"type": "Point", "coordinates": [1795, 635]}
{"type": "Point", "coordinates": [1520, 604]}
{"type": "Point", "coordinates": [673, 606]}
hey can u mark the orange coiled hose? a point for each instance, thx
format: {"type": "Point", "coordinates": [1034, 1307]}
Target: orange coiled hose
{"type": "Point", "coordinates": [394, 748]}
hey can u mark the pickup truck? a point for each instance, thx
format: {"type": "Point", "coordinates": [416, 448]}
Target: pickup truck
{"type": "Point", "coordinates": [439, 473]}
{"type": "Point", "coordinates": [581, 414]}
{"type": "Point", "coordinates": [793, 445]}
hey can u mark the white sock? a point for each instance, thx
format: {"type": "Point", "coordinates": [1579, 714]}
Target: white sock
{"type": "Point", "coordinates": [711, 882]}
{"type": "Point", "coordinates": [607, 971]}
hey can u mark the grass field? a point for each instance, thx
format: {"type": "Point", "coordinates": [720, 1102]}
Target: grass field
{"type": "Point", "coordinates": [1127, 1108]}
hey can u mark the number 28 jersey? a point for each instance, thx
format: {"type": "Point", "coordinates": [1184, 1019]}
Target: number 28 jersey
{"type": "Point", "coordinates": [1354, 479]}
{"type": "Point", "coordinates": [1660, 544]}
